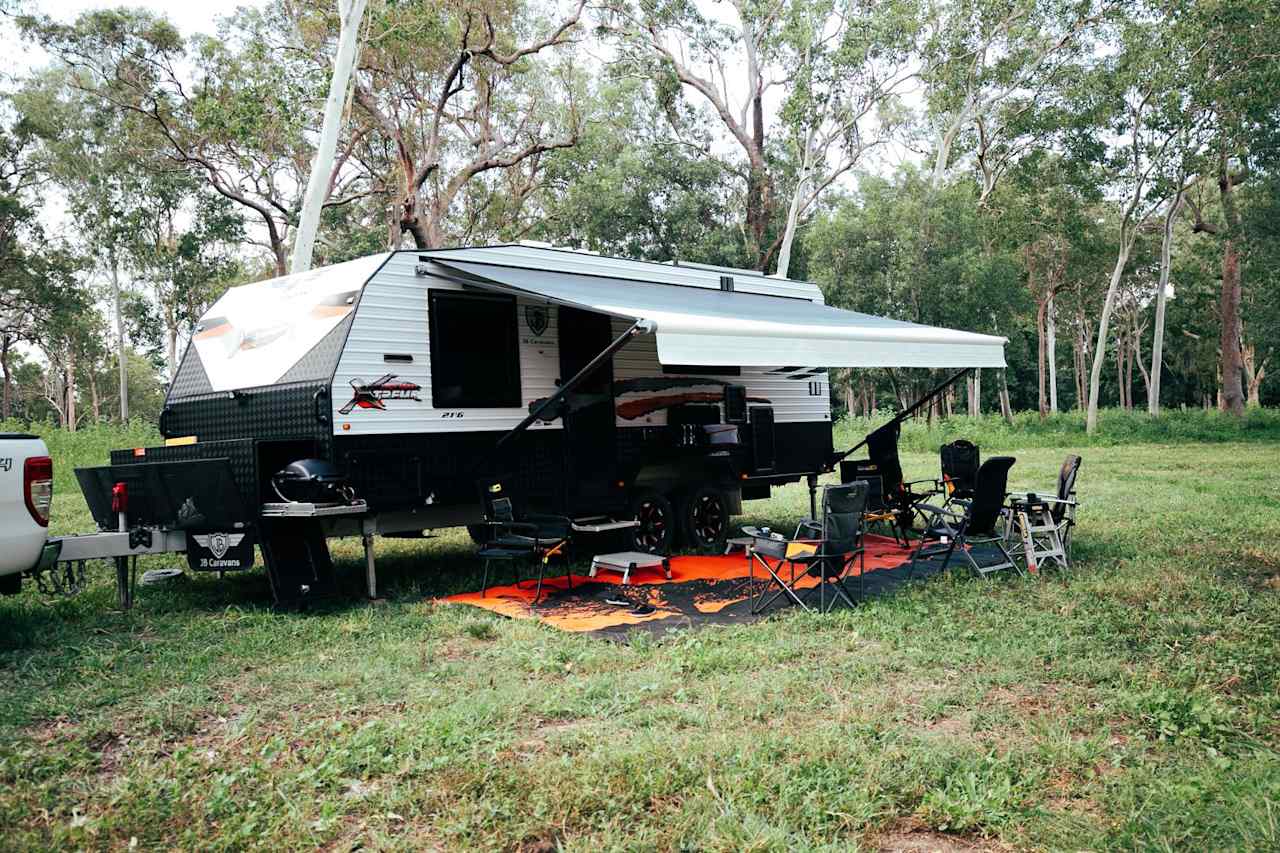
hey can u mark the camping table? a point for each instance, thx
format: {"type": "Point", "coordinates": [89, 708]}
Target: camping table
{"type": "Point", "coordinates": [765, 543]}
{"type": "Point", "coordinates": [628, 561]}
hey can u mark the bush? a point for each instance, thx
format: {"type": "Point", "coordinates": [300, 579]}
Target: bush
{"type": "Point", "coordinates": [1066, 429]}
{"type": "Point", "coordinates": [88, 446]}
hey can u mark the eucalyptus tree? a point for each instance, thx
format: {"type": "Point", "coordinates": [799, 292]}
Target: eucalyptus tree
{"type": "Point", "coordinates": [1233, 75]}
{"type": "Point", "coordinates": [989, 66]}
{"type": "Point", "coordinates": [21, 235]}
{"type": "Point", "coordinates": [1135, 99]}
{"type": "Point", "coordinates": [848, 63]}
{"type": "Point", "coordinates": [460, 96]}
{"type": "Point", "coordinates": [230, 109]}
{"type": "Point", "coordinates": [733, 65]}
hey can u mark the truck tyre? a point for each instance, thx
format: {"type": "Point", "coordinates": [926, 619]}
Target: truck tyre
{"type": "Point", "coordinates": [657, 518]}
{"type": "Point", "coordinates": [704, 517]}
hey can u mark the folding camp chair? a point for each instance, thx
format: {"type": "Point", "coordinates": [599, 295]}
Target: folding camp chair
{"type": "Point", "coordinates": [514, 540]}
{"type": "Point", "coordinates": [949, 533]}
{"type": "Point", "coordinates": [891, 501]}
{"type": "Point", "coordinates": [1043, 524]}
{"type": "Point", "coordinates": [960, 460]}
{"type": "Point", "coordinates": [822, 548]}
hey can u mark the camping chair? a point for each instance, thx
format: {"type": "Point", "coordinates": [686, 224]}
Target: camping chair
{"type": "Point", "coordinates": [531, 536]}
{"type": "Point", "coordinates": [895, 502]}
{"type": "Point", "coordinates": [823, 549]}
{"type": "Point", "coordinates": [877, 510]}
{"type": "Point", "coordinates": [1048, 521]}
{"type": "Point", "coordinates": [960, 460]}
{"type": "Point", "coordinates": [948, 532]}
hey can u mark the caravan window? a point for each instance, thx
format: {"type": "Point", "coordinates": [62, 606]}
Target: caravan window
{"type": "Point", "coordinates": [475, 355]}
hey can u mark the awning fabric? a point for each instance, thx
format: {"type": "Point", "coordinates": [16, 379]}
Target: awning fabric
{"type": "Point", "coordinates": [700, 326]}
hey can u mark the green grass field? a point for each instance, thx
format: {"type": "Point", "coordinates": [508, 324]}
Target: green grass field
{"type": "Point", "coordinates": [1132, 704]}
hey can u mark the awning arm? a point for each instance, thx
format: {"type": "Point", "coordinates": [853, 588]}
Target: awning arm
{"type": "Point", "coordinates": [639, 327]}
{"type": "Point", "coordinates": [907, 412]}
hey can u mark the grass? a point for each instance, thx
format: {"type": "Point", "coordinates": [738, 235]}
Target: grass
{"type": "Point", "coordinates": [1131, 704]}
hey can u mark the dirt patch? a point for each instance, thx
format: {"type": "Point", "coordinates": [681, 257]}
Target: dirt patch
{"type": "Point", "coordinates": [542, 732]}
{"type": "Point", "coordinates": [907, 838]}
{"type": "Point", "coordinates": [947, 727]}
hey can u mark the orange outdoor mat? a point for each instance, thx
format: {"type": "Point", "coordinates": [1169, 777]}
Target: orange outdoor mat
{"type": "Point", "coordinates": [701, 589]}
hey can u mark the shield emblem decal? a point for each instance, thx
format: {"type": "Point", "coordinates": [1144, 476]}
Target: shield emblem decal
{"type": "Point", "coordinates": [218, 545]}
{"type": "Point", "coordinates": [536, 318]}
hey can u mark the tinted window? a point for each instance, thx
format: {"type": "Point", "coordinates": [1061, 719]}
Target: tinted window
{"type": "Point", "coordinates": [475, 357]}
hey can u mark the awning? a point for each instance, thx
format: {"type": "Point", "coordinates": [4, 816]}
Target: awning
{"type": "Point", "coordinates": [700, 326]}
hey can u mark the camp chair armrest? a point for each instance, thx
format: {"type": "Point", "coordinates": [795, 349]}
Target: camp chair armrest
{"type": "Point", "coordinates": [939, 512]}
{"type": "Point", "coordinates": [809, 526]}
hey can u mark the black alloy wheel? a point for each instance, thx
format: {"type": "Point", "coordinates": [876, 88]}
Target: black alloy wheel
{"type": "Point", "coordinates": [706, 518]}
{"type": "Point", "coordinates": [657, 522]}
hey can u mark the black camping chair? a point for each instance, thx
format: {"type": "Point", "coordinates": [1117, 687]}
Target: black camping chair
{"type": "Point", "coordinates": [960, 461]}
{"type": "Point", "coordinates": [893, 501]}
{"type": "Point", "coordinates": [948, 533]}
{"type": "Point", "coordinates": [823, 548]}
{"type": "Point", "coordinates": [519, 537]}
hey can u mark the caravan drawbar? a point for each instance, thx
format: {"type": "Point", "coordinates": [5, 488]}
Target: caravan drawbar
{"type": "Point", "coordinates": [604, 389]}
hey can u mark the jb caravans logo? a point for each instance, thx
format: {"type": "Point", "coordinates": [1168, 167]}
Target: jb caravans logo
{"type": "Point", "coordinates": [373, 395]}
{"type": "Point", "coordinates": [219, 543]}
{"type": "Point", "coordinates": [537, 318]}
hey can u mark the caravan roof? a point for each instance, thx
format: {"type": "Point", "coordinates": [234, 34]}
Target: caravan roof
{"type": "Point", "coordinates": [294, 327]}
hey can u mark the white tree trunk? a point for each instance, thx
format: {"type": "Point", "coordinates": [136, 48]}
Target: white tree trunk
{"type": "Point", "coordinates": [1051, 347]}
{"type": "Point", "coordinates": [350, 12]}
{"type": "Point", "coordinates": [1157, 343]}
{"type": "Point", "coordinates": [1100, 351]}
{"type": "Point", "coordinates": [124, 367]}
{"type": "Point", "coordinates": [789, 233]}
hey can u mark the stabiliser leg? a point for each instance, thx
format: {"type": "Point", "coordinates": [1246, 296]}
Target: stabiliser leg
{"type": "Point", "coordinates": [124, 590]}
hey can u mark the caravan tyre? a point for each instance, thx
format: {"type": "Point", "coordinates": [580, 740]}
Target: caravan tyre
{"type": "Point", "coordinates": [657, 518]}
{"type": "Point", "coordinates": [480, 533]}
{"type": "Point", "coordinates": [704, 517]}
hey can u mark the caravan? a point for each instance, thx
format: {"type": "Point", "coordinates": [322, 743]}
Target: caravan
{"type": "Point", "coordinates": [600, 388]}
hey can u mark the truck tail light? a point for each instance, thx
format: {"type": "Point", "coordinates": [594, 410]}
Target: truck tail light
{"type": "Point", "coordinates": [37, 487]}
{"type": "Point", "coordinates": [120, 498]}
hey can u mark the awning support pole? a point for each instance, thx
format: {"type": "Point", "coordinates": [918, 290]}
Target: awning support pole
{"type": "Point", "coordinates": [640, 327]}
{"type": "Point", "coordinates": [910, 410]}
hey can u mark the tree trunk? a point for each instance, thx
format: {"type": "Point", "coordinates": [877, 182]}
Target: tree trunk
{"type": "Point", "coordinates": [1095, 375]}
{"type": "Point", "coordinates": [1051, 345]}
{"type": "Point", "coordinates": [70, 405]}
{"type": "Point", "coordinates": [1229, 303]}
{"type": "Point", "coordinates": [1157, 342]}
{"type": "Point", "coordinates": [1233, 398]}
{"type": "Point", "coordinates": [6, 394]}
{"type": "Point", "coordinates": [1006, 409]}
{"type": "Point", "coordinates": [124, 362]}
{"type": "Point", "coordinates": [349, 14]}
{"type": "Point", "coordinates": [1042, 307]}
{"type": "Point", "coordinates": [95, 403]}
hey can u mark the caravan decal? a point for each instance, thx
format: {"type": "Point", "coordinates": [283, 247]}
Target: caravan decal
{"type": "Point", "coordinates": [373, 395]}
{"type": "Point", "coordinates": [537, 318]}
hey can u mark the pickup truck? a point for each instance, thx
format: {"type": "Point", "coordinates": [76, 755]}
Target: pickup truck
{"type": "Point", "coordinates": [26, 493]}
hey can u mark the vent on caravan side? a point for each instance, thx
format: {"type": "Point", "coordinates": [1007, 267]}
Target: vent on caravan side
{"type": "Point", "coordinates": [735, 404]}
{"type": "Point", "coordinates": [763, 446]}
{"type": "Point", "coordinates": [726, 283]}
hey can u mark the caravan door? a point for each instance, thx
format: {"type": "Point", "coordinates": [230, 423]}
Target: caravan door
{"type": "Point", "coordinates": [590, 445]}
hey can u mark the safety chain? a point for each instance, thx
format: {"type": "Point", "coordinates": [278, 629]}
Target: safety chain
{"type": "Point", "coordinates": [65, 579]}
